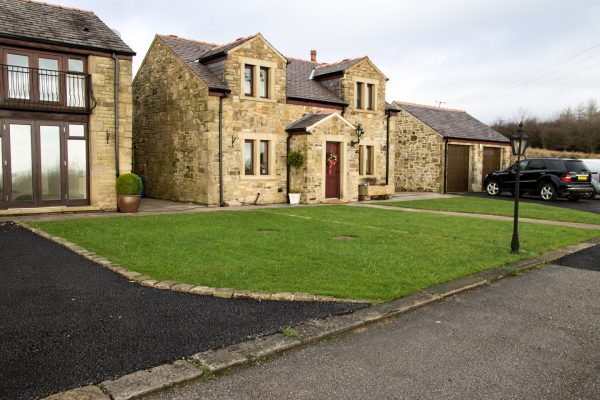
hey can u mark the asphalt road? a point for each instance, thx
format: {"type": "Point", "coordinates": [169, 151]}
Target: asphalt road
{"type": "Point", "coordinates": [66, 322]}
{"type": "Point", "coordinates": [536, 336]}
{"type": "Point", "coordinates": [589, 205]}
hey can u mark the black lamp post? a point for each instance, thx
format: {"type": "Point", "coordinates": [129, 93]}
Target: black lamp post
{"type": "Point", "coordinates": [519, 144]}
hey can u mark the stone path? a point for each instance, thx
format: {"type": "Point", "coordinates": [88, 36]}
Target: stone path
{"type": "Point", "coordinates": [475, 215]}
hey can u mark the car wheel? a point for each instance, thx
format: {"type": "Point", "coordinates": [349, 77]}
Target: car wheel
{"type": "Point", "coordinates": [492, 188]}
{"type": "Point", "coordinates": [548, 192]}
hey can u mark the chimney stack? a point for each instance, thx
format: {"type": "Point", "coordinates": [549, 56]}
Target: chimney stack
{"type": "Point", "coordinates": [313, 55]}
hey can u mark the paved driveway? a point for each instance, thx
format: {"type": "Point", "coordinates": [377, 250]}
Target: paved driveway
{"type": "Point", "coordinates": [66, 322]}
{"type": "Point", "coordinates": [536, 336]}
{"type": "Point", "coordinates": [590, 205]}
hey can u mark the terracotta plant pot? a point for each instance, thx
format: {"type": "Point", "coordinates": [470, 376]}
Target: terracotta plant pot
{"type": "Point", "coordinates": [128, 204]}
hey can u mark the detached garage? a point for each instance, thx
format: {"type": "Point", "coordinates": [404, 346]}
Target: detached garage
{"type": "Point", "coordinates": [445, 150]}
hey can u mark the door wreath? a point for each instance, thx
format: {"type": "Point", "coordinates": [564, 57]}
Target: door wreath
{"type": "Point", "coordinates": [331, 160]}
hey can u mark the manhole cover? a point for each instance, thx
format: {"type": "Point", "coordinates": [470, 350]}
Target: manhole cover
{"type": "Point", "coordinates": [342, 237]}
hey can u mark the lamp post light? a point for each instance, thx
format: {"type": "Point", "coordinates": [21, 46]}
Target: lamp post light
{"type": "Point", "coordinates": [359, 132]}
{"type": "Point", "coordinates": [518, 142]}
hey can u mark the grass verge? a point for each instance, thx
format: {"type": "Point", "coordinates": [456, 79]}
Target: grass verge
{"type": "Point", "coordinates": [340, 251]}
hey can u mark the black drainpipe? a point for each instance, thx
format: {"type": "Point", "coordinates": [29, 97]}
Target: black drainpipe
{"type": "Point", "coordinates": [445, 163]}
{"type": "Point", "coordinates": [114, 56]}
{"type": "Point", "coordinates": [289, 140]}
{"type": "Point", "coordinates": [387, 150]}
{"type": "Point", "coordinates": [221, 200]}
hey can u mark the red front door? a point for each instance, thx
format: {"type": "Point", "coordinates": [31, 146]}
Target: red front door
{"type": "Point", "coordinates": [332, 170]}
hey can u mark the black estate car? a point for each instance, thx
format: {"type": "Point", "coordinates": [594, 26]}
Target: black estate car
{"type": "Point", "coordinates": [547, 177]}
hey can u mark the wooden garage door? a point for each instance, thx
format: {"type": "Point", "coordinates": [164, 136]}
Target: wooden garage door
{"type": "Point", "coordinates": [457, 169]}
{"type": "Point", "coordinates": [491, 160]}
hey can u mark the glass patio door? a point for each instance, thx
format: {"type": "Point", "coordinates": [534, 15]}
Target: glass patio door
{"type": "Point", "coordinates": [18, 162]}
{"type": "Point", "coordinates": [51, 165]}
{"type": "Point", "coordinates": [34, 164]}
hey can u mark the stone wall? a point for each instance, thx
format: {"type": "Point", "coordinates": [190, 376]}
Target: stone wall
{"type": "Point", "coordinates": [310, 178]}
{"type": "Point", "coordinates": [176, 131]}
{"type": "Point", "coordinates": [419, 156]}
{"type": "Point", "coordinates": [102, 154]}
{"type": "Point", "coordinates": [174, 121]}
{"type": "Point", "coordinates": [373, 121]}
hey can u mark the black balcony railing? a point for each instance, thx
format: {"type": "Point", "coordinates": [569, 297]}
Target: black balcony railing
{"type": "Point", "coordinates": [45, 90]}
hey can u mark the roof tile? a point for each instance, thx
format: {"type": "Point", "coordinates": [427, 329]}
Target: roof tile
{"type": "Point", "coordinates": [188, 50]}
{"type": "Point", "coordinates": [28, 20]}
{"type": "Point", "coordinates": [454, 124]}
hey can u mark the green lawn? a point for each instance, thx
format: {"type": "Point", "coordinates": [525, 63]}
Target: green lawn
{"type": "Point", "coordinates": [499, 207]}
{"type": "Point", "coordinates": [390, 254]}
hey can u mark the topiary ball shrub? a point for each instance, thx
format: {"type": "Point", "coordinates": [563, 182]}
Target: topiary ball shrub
{"type": "Point", "coordinates": [129, 185]}
{"type": "Point", "coordinates": [295, 159]}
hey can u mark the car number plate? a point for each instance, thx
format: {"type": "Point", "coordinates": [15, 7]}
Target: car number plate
{"type": "Point", "coordinates": [582, 178]}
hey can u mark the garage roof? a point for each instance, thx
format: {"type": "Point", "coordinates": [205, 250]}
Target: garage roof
{"type": "Point", "coordinates": [454, 124]}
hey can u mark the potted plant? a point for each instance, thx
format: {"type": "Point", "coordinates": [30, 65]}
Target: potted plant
{"type": "Point", "coordinates": [296, 160]}
{"type": "Point", "coordinates": [129, 188]}
{"type": "Point", "coordinates": [294, 196]}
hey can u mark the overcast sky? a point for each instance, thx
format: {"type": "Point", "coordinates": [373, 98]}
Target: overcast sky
{"type": "Point", "coordinates": [492, 58]}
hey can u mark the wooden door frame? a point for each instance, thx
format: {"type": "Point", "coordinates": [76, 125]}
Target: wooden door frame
{"type": "Point", "coordinates": [468, 146]}
{"type": "Point", "coordinates": [499, 166]}
{"type": "Point", "coordinates": [36, 153]}
{"type": "Point", "coordinates": [342, 169]}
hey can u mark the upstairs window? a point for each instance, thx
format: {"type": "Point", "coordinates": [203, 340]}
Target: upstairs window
{"type": "Point", "coordinates": [359, 95]}
{"type": "Point", "coordinates": [249, 80]}
{"type": "Point", "coordinates": [264, 82]}
{"type": "Point", "coordinates": [48, 85]}
{"type": "Point", "coordinates": [370, 101]}
{"type": "Point", "coordinates": [18, 76]}
{"type": "Point", "coordinates": [257, 79]}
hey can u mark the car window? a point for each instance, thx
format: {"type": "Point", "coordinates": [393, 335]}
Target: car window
{"type": "Point", "coordinates": [524, 164]}
{"type": "Point", "coordinates": [576, 166]}
{"type": "Point", "coordinates": [536, 164]}
{"type": "Point", "coordinates": [555, 165]}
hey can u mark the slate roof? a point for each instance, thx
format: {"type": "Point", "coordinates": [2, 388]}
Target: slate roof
{"type": "Point", "coordinates": [41, 22]}
{"type": "Point", "coordinates": [391, 107]}
{"type": "Point", "coordinates": [188, 50]}
{"type": "Point", "coordinates": [299, 85]}
{"type": "Point", "coordinates": [222, 50]}
{"type": "Point", "coordinates": [335, 68]}
{"type": "Point", "coordinates": [306, 121]}
{"type": "Point", "coordinates": [454, 124]}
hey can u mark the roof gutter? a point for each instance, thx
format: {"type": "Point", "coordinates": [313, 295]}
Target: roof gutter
{"type": "Point", "coordinates": [71, 45]}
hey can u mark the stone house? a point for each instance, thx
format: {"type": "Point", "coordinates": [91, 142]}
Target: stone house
{"type": "Point", "coordinates": [444, 150]}
{"type": "Point", "coordinates": [65, 109]}
{"type": "Point", "coordinates": [213, 124]}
